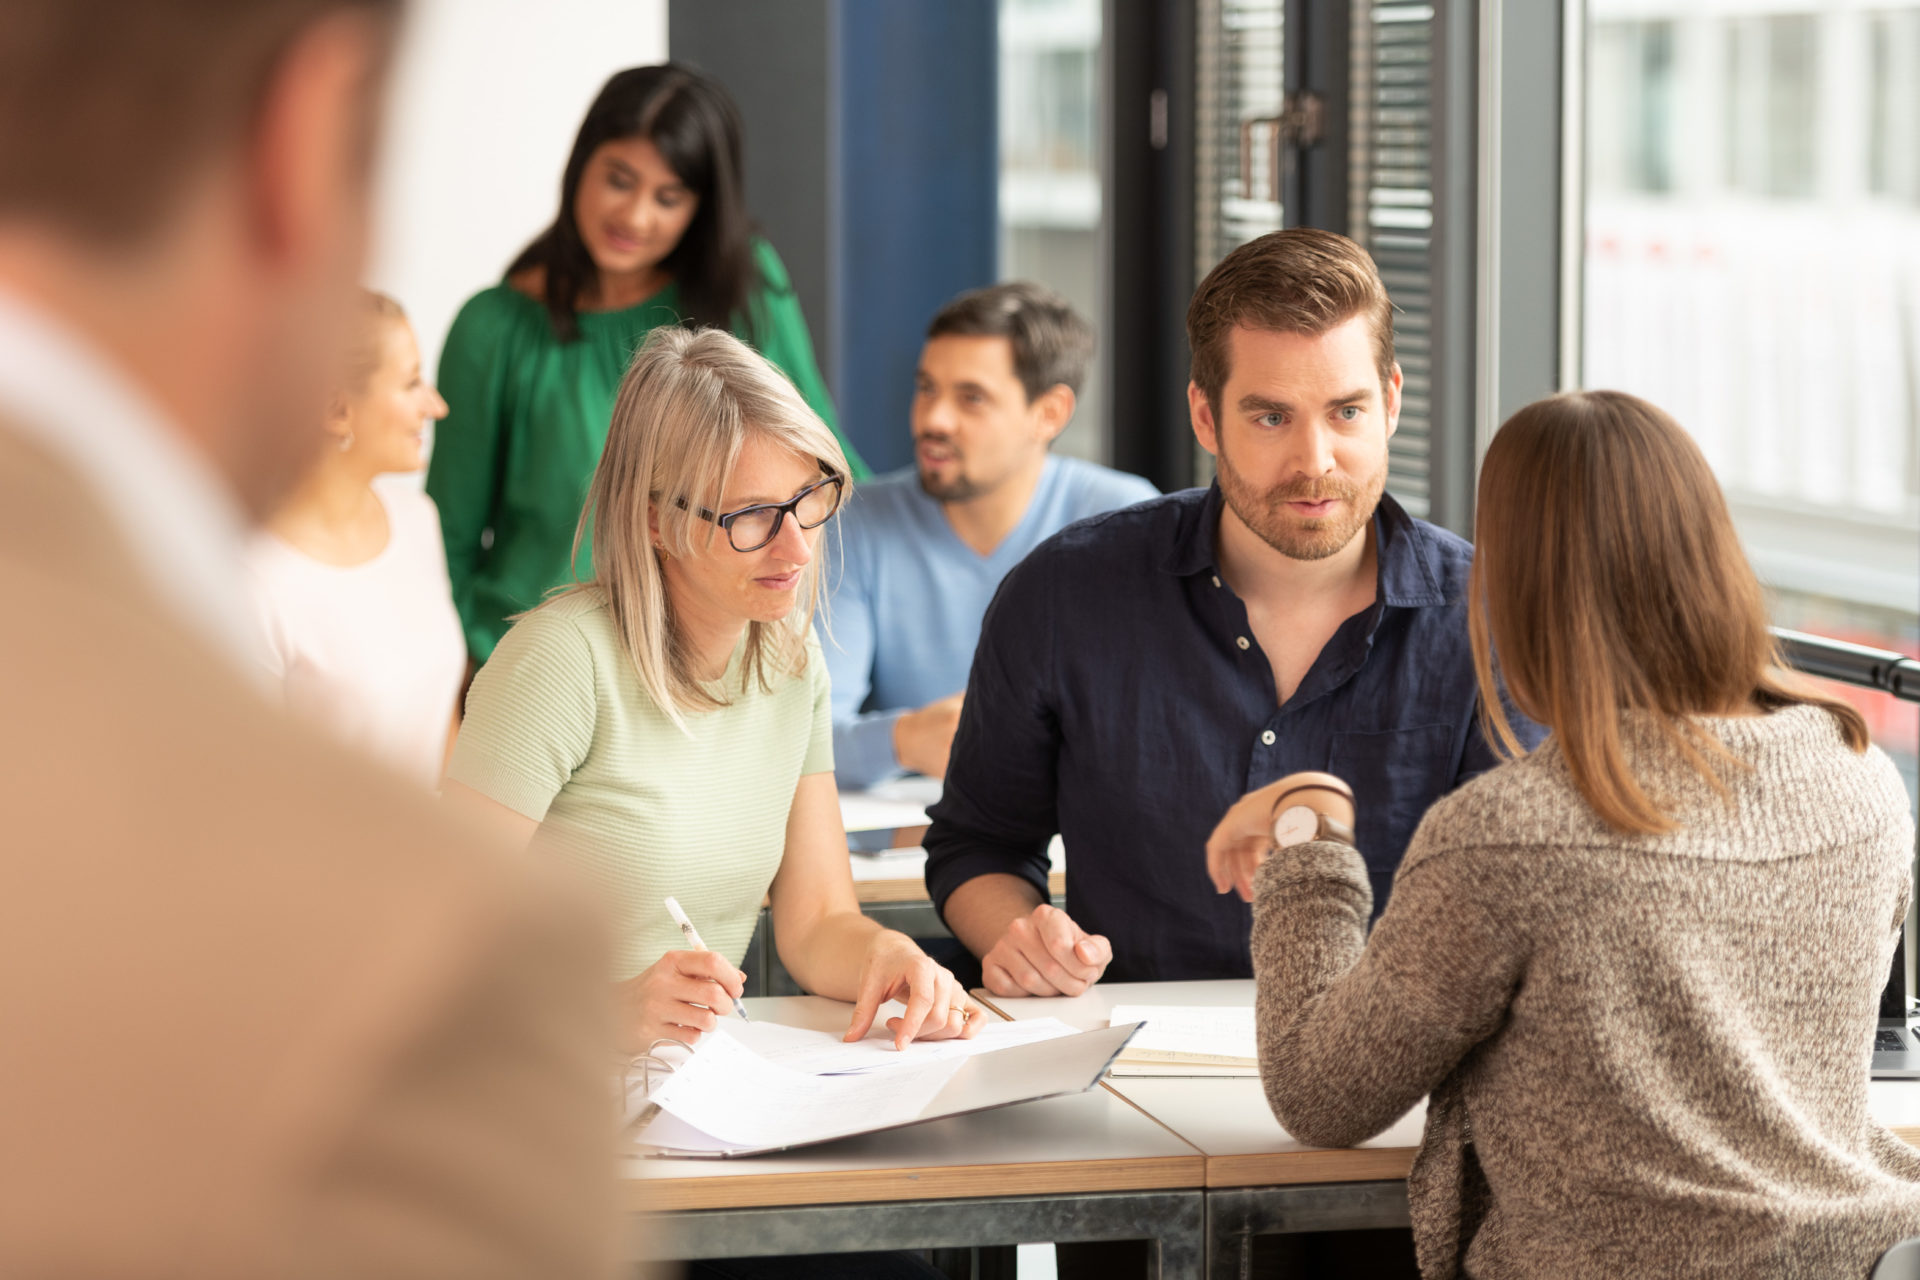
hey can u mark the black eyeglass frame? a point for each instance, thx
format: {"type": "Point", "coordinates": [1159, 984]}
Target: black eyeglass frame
{"type": "Point", "coordinates": [781, 510]}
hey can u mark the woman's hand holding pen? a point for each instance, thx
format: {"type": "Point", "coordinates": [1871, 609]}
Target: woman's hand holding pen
{"type": "Point", "coordinates": [938, 1007]}
{"type": "Point", "coordinates": [677, 997]}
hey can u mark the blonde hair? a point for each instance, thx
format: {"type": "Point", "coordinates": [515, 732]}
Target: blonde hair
{"type": "Point", "coordinates": [1608, 577]}
{"type": "Point", "coordinates": [690, 399]}
{"type": "Point", "coordinates": [368, 347]}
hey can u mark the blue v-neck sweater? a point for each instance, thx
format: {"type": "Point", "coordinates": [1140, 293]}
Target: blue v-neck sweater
{"type": "Point", "coordinates": [906, 597]}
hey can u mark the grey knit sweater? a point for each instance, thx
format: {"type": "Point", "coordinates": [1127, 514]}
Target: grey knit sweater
{"type": "Point", "coordinates": [1647, 1056]}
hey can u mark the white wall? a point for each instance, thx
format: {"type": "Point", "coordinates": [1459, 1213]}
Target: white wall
{"type": "Point", "coordinates": [487, 95]}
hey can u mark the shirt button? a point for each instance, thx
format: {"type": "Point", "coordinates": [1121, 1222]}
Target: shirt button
{"type": "Point", "coordinates": [1241, 641]}
{"type": "Point", "coordinates": [1267, 738]}
{"type": "Point", "coordinates": [1216, 579]}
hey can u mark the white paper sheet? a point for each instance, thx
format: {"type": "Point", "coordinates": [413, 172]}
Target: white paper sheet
{"type": "Point", "coordinates": [921, 791]}
{"type": "Point", "coordinates": [822, 1052]}
{"type": "Point", "coordinates": [894, 864]}
{"type": "Point", "coordinates": [733, 1098]}
{"type": "Point", "coordinates": [1184, 1033]}
{"type": "Point", "coordinates": [864, 811]}
{"type": "Point", "coordinates": [902, 802]}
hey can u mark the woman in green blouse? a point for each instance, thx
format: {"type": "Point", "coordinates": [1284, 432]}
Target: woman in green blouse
{"type": "Point", "coordinates": [651, 231]}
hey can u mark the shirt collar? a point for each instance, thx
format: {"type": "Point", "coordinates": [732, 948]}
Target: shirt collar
{"type": "Point", "coordinates": [180, 524]}
{"type": "Point", "coordinates": [1406, 550]}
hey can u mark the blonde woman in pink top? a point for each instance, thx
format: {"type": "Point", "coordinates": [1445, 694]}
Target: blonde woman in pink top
{"type": "Point", "coordinates": [350, 576]}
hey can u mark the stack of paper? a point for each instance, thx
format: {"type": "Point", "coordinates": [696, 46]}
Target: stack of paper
{"type": "Point", "coordinates": [1180, 1040]}
{"type": "Point", "coordinates": [824, 1053]}
{"type": "Point", "coordinates": [900, 803]}
{"type": "Point", "coordinates": [864, 811]}
{"type": "Point", "coordinates": [725, 1097]}
{"type": "Point", "coordinates": [760, 1085]}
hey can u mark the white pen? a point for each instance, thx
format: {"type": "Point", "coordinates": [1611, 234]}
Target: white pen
{"type": "Point", "coordinates": [693, 940]}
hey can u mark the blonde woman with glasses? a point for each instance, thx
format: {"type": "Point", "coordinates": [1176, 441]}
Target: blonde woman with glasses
{"type": "Point", "coordinates": [665, 726]}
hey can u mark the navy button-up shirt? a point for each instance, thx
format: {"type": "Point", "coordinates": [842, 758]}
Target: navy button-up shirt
{"type": "Point", "coordinates": [1119, 697]}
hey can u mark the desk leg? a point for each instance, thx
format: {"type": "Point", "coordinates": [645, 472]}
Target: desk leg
{"type": "Point", "coordinates": [1174, 1220]}
{"type": "Point", "coordinates": [1235, 1215]}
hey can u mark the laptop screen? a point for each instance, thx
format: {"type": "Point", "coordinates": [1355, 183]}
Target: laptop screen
{"type": "Point", "coordinates": [1893, 997]}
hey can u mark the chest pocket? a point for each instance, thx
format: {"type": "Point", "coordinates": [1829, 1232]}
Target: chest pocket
{"type": "Point", "coordinates": [1396, 776]}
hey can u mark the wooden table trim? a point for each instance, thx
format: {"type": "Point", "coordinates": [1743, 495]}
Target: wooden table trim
{"type": "Point", "coordinates": [1315, 1165]}
{"type": "Point", "coordinates": [933, 1182]}
{"type": "Point", "coordinates": [868, 891]}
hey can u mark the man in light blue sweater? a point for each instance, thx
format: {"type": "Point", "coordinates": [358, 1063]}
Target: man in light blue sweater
{"type": "Point", "coordinates": [923, 549]}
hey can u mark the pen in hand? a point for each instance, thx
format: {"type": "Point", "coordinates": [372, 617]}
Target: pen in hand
{"type": "Point", "coordinates": [692, 936]}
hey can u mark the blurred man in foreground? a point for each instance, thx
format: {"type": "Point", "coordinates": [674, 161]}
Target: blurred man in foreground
{"type": "Point", "coordinates": [267, 1013]}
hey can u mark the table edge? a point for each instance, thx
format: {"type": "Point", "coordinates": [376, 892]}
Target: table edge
{"type": "Point", "coordinates": [927, 1182]}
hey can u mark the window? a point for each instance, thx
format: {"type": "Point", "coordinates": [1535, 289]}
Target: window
{"type": "Point", "coordinates": [1050, 191]}
{"type": "Point", "coordinates": [1770, 109]}
{"type": "Point", "coordinates": [1393, 105]}
{"type": "Point", "coordinates": [1893, 139]}
{"type": "Point", "coordinates": [1240, 85]}
{"type": "Point", "coordinates": [1632, 147]}
{"type": "Point", "coordinates": [1752, 265]}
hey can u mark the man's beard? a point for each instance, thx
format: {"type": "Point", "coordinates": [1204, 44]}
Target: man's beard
{"type": "Point", "coordinates": [1302, 539]}
{"type": "Point", "coordinates": [959, 489]}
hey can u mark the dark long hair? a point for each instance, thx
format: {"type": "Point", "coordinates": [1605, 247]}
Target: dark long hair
{"type": "Point", "coordinates": [693, 123]}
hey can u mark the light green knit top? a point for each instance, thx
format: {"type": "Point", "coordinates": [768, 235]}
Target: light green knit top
{"type": "Point", "coordinates": [558, 729]}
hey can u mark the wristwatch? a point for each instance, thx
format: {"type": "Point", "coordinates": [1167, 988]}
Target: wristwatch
{"type": "Point", "coordinates": [1300, 823]}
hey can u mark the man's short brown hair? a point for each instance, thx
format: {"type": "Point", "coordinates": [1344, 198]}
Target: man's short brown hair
{"type": "Point", "coordinates": [1301, 280]}
{"type": "Point", "coordinates": [107, 107]}
{"type": "Point", "coordinates": [1051, 342]}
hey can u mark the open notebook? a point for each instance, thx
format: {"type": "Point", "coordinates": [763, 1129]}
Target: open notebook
{"type": "Point", "coordinates": [1184, 1040]}
{"type": "Point", "coordinates": [727, 1099]}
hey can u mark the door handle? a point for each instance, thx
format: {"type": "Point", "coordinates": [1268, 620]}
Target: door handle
{"type": "Point", "coordinates": [1300, 124]}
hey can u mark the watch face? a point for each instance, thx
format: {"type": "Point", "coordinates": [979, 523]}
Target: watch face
{"type": "Point", "coordinates": [1295, 826]}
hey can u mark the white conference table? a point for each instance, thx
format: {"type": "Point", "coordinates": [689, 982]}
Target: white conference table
{"type": "Point", "coordinates": [1259, 1178]}
{"type": "Point", "coordinates": [1084, 1167]}
{"type": "Point", "coordinates": [1226, 1118]}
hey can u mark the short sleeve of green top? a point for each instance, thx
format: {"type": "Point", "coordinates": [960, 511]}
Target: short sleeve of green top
{"type": "Point", "coordinates": [527, 416]}
{"type": "Point", "coordinates": [559, 730]}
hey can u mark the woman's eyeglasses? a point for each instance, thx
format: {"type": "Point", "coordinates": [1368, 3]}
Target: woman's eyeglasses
{"type": "Point", "coordinates": [751, 528]}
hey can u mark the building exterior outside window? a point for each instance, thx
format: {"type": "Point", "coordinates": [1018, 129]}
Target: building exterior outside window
{"type": "Point", "coordinates": [1752, 264]}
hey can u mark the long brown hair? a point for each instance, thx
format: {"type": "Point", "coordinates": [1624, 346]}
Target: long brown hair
{"type": "Point", "coordinates": [1608, 577]}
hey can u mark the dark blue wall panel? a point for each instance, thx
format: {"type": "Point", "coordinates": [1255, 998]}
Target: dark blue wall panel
{"type": "Point", "coordinates": [913, 198]}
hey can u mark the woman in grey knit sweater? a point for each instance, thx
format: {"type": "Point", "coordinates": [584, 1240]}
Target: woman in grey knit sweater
{"type": "Point", "coordinates": [1637, 971]}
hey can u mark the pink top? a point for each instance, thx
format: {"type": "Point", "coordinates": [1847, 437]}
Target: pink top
{"type": "Point", "coordinates": [373, 652]}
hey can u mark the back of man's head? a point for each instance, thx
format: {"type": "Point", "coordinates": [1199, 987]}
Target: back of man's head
{"type": "Point", "coordinates": [186, 185]}
{"type": "Point", "coordinates": [109, 108]}
{"type": "Point", "coordinates": [1301, 280]}
{"type": "Point", "coordinates": [1052, 343]}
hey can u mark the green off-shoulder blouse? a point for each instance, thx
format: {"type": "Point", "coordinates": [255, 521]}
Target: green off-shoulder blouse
{"type": "Point", "coordinates": [527, 417]}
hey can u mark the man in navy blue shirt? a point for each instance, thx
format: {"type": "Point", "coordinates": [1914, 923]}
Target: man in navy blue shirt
{"type": "Point", "coordinates": [1144, 669]}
